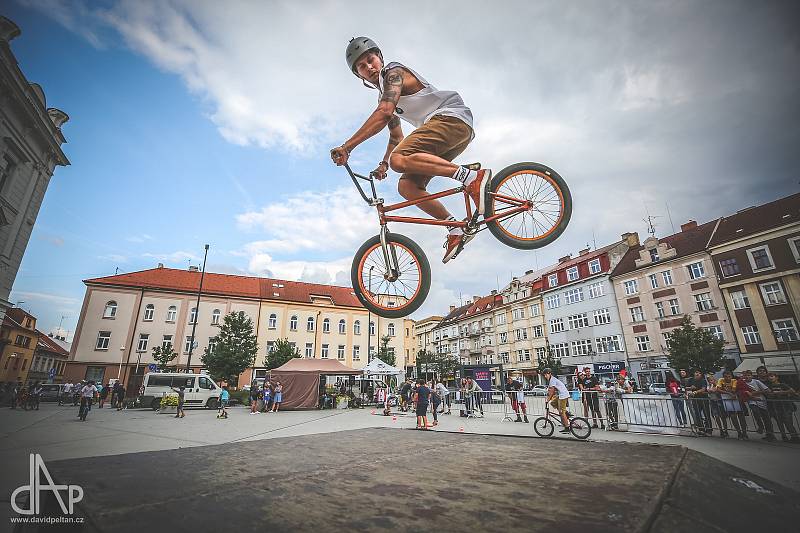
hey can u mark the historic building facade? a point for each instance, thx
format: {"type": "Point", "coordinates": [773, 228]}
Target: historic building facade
{"type": "Point", "coordinates": [30, 149]}
{"type": "Point", "coordinates": [18, 338]}
{"type": "Point", "coordinates": [123, 317]}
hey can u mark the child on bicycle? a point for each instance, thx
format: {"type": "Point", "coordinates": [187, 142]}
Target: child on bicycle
{"type": "Point", "coordinates": [558, 396]}
{"type": "Point", "coordinates": [443, 130]}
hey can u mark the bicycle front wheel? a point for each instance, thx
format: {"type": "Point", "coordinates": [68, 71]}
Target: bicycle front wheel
{"type": "Point", "coordinates": [543, 427]}
{"type": "Point", "coordinates": [383, 294]}
{"type": "Point", "coordinates": [544, 221]}
{"type": "Point", "coordinates": [580, 428]}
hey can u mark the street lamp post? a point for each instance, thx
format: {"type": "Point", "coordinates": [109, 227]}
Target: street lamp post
{"type": "Point", "coordinates": [197, 311]}
{"type": "Point", "coordinates": [121, 357]}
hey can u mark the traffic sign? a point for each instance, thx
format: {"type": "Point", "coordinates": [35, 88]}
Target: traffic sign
{"type": "Point", "coordinates": [152, 367]}
{"type": "Point", "coordinates": [52, 373]}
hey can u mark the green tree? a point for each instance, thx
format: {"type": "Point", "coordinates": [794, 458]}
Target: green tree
{"type": "Point", "coordinates": [694, 348]}
{"type": "Point", "coordinates": [384, 354]}
{"type": "Point", "coordinates": [549, 361]}
{"type": "Point", "coordinates": [443, 364]}
{"type": "Point", "coordinates": [163, 355]}
{"type": "Point", "coordinates": [235, 348]}
{"type": "Point", "coordinates": [281, 353]}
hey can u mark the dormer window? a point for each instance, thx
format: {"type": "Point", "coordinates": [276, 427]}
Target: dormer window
{"type": "Point", "coordinates": [572, 273]}
{"type": "Point", "coordinates": [654, 255]}
{"type": "Point", "coordinates": [552, 280]}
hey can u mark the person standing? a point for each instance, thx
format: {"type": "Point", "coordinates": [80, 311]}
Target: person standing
{"type": "Point", "coordinates": [616, 389]}
{"type": "Point", "coordinates": [697, 390]}
{"type": "Point", "coordinates": [436, 401]}
{"type": "Point", "coordinates": [726, 387]}
{"type": "Point", "coordinates": [87, 393]}
{"type": "Point", "coordinates": [103, 394]}
{"type": "Point", "coordinates": [224, 396]}
{"type": "Point", "coordinates": [475, 391]}
{"type": "Point", "coordinates": [444, 394]}
{"type": "Point", "coordinates": [120, 395]}
{"type": "Point", "coordinates": [781, 406]}
{"type": "Point", "coordinates": [267, 394]}
{"type": "Point", "coordinates": [757, 402]}
{"type": "Point", "coordinates": [421, 398]}
{"type": "Point", "coordinates": [715, 403]}
{"type": "Point", "coordinates": [589, 386]}
{"type": "Point", "coordinates": [676, 392]}
{"type": "Point", "coordinates": [278, 396]}
{"type": "Point", "coordinates": [254, 394]}
{"type": "Point", "coordinates": [181, 396]}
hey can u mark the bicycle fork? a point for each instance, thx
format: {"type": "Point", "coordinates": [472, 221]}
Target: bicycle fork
{"type": "Point", "coordinates": [389, 257]}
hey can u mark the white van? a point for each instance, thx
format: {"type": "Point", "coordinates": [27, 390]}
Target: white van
{"type": "Point", "coordinates": [201, 391]}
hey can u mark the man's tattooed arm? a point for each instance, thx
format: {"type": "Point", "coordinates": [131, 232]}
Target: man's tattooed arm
{"type": "Point", "coordinates": [395, 136]}
{"type": "Point", "coordinates": [381, 117]}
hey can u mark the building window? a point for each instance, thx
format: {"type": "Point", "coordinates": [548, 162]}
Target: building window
{"type": "Point", "coordinates": [552, 301]}
{"type": "Point", "coordinates": [501, 319]}
{"type": "Point", "coordinates": [536, 309]}
{"type": "Point", "coordinates": [760, 258]}
{"type": "Point", "coordinates": [537, 331]}
{"type": "Point", "coordinates": [703, 301]}
{"type": "Point", "coordinates": [144, 338]}
{"type": "Point", "coordinates": [166, 342]}
{"type": "Point", "coordinates": [631, 287]}
{"type": "Point", "coordinates": [187, 344]}
{"type": "Point", "coordinates": [552, 280]}
{"type": "Point", "coordinates": [324, 351]}
{"type": "Point", "coordinates": [573, 296]}
{"type": "Point", "coordinates": [560, 350]}
{"type": "Point", "coordinates": [596, 290]}
{"type": "Point", "coordinates": [326, 326]}
{"type": "Point", "coordinates": [357, 327]}
{"type": "Point", "coordinates": [601, 316]}
{"type": "Point", "coordinates": [740, 299]}
{"type": "Point", "coordinates": [608, 344]}
{"type": "Point", "coordinates": [390, 329]}
{"type": "Point", "coordinates": [342, 327]}
{"type": "Point", "coordinates": [637, 313]}
{"type": "Point", "coordinates": [594, 266]}
{"type": "Point", "coordinates": [172, 312]}
{"type": "Point", "coordinates": [653, 255]}
{"type": "Point", "coordinates": [103, 338]}
{"type": "Point", "coordinates": [660, 310]}
{"type": "Point", "coordinates": [540, 353]}
{"type": "Point", "coordinates": [372, 328]}
{"type": "Point", "coordinates": [518, 314]}
{"type": "Point", "coordinates": [340, 352]}
{"type": "Point", "coordinates": [653, 281]}
{"type": "Point", "coordinates": [356, 353]}
{"type": "Point", "coordinates": [309, 350]}
{"type": "Point", "coordinates": [674, 307]}
{"type": "Point", "coordinates": [729, 267]}
{"type": "Point", "coordinates": [504, 357]}
{"type": "Point", "coordinates": [293, 323]}
{"type": "Point", "coordinates": [643, 343]}
{"type": "Point", "coordinates": [273, 321]}
{"type": "Point", "coordinates": [785, 330]}
{"type": "Point", "coordinates": [557, 325]}
{"type": "Point", "coordinates": [772, 293]}
{"type": "Point", "coordinates": [794, 246]}
{"type": "Point", "coordinates": [696, 270]}
{"type": "Point", "coordinates": [751, 335]}
{"type": "Point", "coordinates": [193, 316]}
{"type": "Point", "coordinates": [212, 344]}
{"type": "Point", "coordinates": [572, 273]}
{"type": "Point", "coordinates": [521, 334]}
{"type": "Point", "coordinates": [110, 310]}
{"type": "Point", "coordinates": [578, 321]}
{"type": "Point", "coordinates": [310, 324]}
{"type": "Point", "coordinates": [667, 277]}
{"type": "Point", "coordinates": [581, 347]}
{"type": "Point", "coordinates": [716, 331]}
{"type": "Point", "coordinates": [503, 337]}
{"type": "Point", "coordinates": [149, 312]}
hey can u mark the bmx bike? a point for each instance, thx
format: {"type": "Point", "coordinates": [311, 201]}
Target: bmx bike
{"type": "Point", "coordinates": [528, 206]}
{"type": "Point", "coordinates": [544, 426]}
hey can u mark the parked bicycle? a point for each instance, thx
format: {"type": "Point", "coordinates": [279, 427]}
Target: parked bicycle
{"type": "Point", "coordinates": [544, 426]}
{"type": "Point", "coordinates": [529, 206]}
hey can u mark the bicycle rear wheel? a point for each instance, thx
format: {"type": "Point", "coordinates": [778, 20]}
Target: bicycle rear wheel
{"type": "Point", "coordinates": [379, 292]}
{"type": "Point", "coordinates": [538, 226]}
{"type": "Point", "coordinates": [580, 427]}
{"type": "Point", "coordinates": [543, 427]}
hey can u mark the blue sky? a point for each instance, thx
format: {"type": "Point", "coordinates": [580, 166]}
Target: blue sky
{"type": "Point", "coordinates": [198, 122]}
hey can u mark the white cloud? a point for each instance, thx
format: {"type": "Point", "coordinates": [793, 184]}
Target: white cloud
{"type": "Point", "coordinates": [113, 258]}
{"type": "Point", "coordinates": [45, 297]}
{"type": "Point", "coordinates": [142, 237]}
{"type": "Point", "coordinates": [173, 257]}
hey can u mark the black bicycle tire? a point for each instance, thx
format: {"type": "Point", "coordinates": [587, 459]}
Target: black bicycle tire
{"type": "Point", "coordinates": [501, 235]}
{"type": "Point", "coordinates": [425, 276]}
{"type": "Point", "coordinates": [548, 423]}
{"type": "Point", "coordinates": [572, 427]}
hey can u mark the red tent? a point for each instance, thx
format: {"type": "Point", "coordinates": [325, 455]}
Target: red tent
{"type": "Point", "coordinates": [301, 380]}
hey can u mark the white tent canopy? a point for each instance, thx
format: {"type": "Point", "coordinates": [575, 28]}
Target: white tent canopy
{"type": "Point", "coordinates": [376, 367]}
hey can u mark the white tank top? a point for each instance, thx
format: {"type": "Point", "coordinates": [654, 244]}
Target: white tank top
{"type": "Point", "coordinates": [418, 108]}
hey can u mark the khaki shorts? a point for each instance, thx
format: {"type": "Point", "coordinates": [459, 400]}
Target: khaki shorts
{"type": "Point", "coordinates": [561, 405]}
{"type": "Point", "coordinates": [442, 136]}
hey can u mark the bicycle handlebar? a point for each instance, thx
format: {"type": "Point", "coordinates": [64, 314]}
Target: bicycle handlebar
{"type": "Point", "coordinates": [355, 177]}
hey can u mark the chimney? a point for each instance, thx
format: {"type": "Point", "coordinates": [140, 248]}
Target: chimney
{"type": "Point", "coordinates": [584, 251]}
{"type": "Point", "coordinates": [452, 308]}
{"type": "Point", "coordinates": [494, 292]}
{"type": "Point", "coordinates": [631, 239]}
{"type": "Point", "coordinates": [193, 268]}
{"type": "Point", "coordinates": [691, 224]}
{"type": "Point", "coordinates": [475, 299]}
{"type": "Point", "coordinates": [527, 272]}
{"type": "Point", "coordinates": [160, 265]}
{"type": "Point", "coordinates": [565, 258]}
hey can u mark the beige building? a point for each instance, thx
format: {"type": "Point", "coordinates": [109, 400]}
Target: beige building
{"type": "Point", "coordinates": [124, 317]}
{"type": "Point", "coordinates": [423, 340]}
{"type": "Point", "coordinates": [18, 340]}
{"type": "Point", "coordinates": [29, 152]}
{"type": "Point", "coordinates": [520, 333]}
{"type": "Point", "coordinates": [659, 282]}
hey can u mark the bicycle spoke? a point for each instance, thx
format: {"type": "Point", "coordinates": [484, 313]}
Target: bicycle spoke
{"type": "Point", "coordinates": [541, 193]}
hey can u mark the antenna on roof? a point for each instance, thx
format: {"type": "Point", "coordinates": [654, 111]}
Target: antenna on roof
{"type": "Point", "coordinates": [594, 240]}
{"type": "Point", "coordinates": [669, 215]}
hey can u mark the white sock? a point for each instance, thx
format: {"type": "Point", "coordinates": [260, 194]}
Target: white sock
{"type": "Point", "coordinates": [454, 230]}
{"type": "Point", "coordinates": [465, 175]}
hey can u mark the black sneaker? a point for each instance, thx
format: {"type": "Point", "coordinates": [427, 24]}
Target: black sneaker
{"type": "Point", "coordinates": [565, 430]}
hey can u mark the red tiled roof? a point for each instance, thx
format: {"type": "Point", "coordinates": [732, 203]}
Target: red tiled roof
{"type": "Point", "coordinates": [229, 285]}
{"type": "Point", "coordinates": [483, 304]}
{"type": "Point", "coordinates": [15, 316]}
{"type": "Point", "coordinates": [756, 219]}
{"type": "Point", "coordinates": [580, 259]}
{"type": "Point", "coordinates": [50, 345]}
{"type": "Point", "coordinates": [685, 243]}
